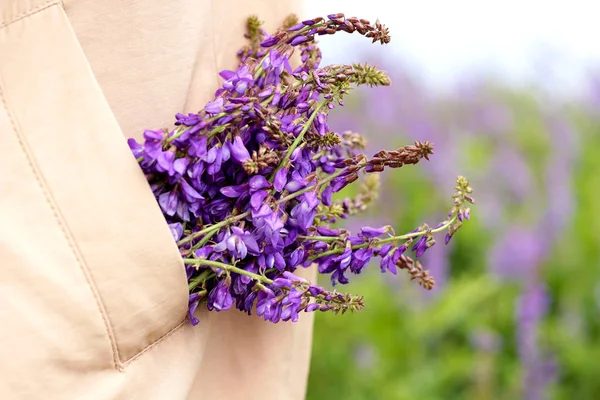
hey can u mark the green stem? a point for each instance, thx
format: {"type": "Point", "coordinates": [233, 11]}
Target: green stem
{"type": "Point", "coordinates": [298, 140]}
{"type": "Point", "coordinates": [319, 155]}
{"type": "Point", "coordinates": [177, 133]}
{"type": "Point", "coordinates": [321, 238]}
{"type": "Point", "coordinates": [388, 240]}
{"type": "Point", "coordinates": [215, 227]}
{"type": "Point", "coordinates": [202, 293]}
{"type": "Point", "coordinates": [203, 276]}
{"type": "Point", "coordinates": [204, 240]}
{"type": "Point", "coordinates": [228, 267]}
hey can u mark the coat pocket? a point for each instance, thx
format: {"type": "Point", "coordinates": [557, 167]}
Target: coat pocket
{"type": "Point", "coordinates": [102, 200]}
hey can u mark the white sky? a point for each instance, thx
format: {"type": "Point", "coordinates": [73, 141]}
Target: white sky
{"type": "Point", "coordinates": [511, 38]}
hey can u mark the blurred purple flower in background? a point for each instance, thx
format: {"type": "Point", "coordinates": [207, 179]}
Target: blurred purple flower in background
{"type": "Point", "coordinates": [538, 368]}
{"type": "Point", "coordinates": [486, 341]}
{"type": "Point", "coordinates": [559, 175]}
{"type": "Point", "coordinates": [525, 218]}
{"type": "Point", "coordinates": [365, 356]}
{"type": "Point", "coordinates": [516, 252]}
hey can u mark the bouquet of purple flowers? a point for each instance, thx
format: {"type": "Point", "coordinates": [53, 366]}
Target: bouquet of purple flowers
{"type": "Point", "coordinates": [246, 184]}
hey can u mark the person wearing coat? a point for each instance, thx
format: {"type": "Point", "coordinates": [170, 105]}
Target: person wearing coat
{"type": "Point", "coordinates": [93, 293]}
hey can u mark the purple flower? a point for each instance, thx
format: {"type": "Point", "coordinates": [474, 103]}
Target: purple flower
{"type": "Point", "coordinates": [136, 148]}
{"type": "Point", "coordinates": [339, 183]}
{"type": "Point", "coordinates": [258, 182]}
{"type": "Point", "coordinates": [360, 259]}
{"type": "Point", "coordinates": [282, 283]}
{"type": "Point", "coordinates": [267, 306]}
{"type": "Point", "coordinates": [188, 120]}
{"type": "Point", "coordinates": [420, 247]}
{"type": "Point", "coordinates": [388, 263]}
{"type": "Point", "coordinates": [238, 243]}
{"type": "Point", "coordinates": [298, 40]}
{"type": "Point", "coordinates": [213, 159]}
{"type": "Point", "coordinates": [280, 179]}
{"type": "Point", "coordinates": [189, 193]}
{"type": "Point", "coordinates": [344, 259]}
{"type": "Point", "coordinates": [292, 301]}
{"type": "Point", "coordinates": [180, 165]}
{"type": "Point", "coordinates": [165, 162]}
{"type": "Point", "coordinates": [204, 252]}
{"type": "Point", "coordinates": [296, 257]}
{"type": "Point", "coordinates": [238, 81]}
{"type": "Point", "coordinates": [296, 183]}
{"type": "Point", "coordinates": [447, 238]}
{"type": "Point", "coordinates": [220, 298]}
{"type": "Point", "coordinates": [326, 196]}
{"type": "Point", "coordinates": [373, 232]}
{"type": "Point", "coordinates": [295, 278]}
{"type": "Point", "coordinates": [194, 301]}
{"type": "Point", "coordinates": [257, 198]}
{"type": "Point", "coordinates": [248, 239]}
{"type": "Point", "coordinates": [315, 290]}
{"type": "Point", "coordinates": [296, 27]}
{"type": "Point", "coordinates": [399, 251]}
{"type": "Point", "coordinates": [275, 64]}
{"type": "Point", "coordinates": [238, 151]}
{"type": "Point", "coordinates": [197, 146]}
{"type": "Point", "coordinates": [325, 231]}
{"type": "Point", "coordinates": [176, 230]}
{"type": "Point", "coordinates": [304, 213]}
{"type": "Point", "coordinates": [259, 215]}
{"type": "Point", "coordinates": [168, 202]}
{"type": "Point", "coordinates": [234, 191]}
{"type": "Point", "coordinates": [214, 107]}
{"type": "Point", "coordinates": [153, 142]}
{"type": "Point", "coordinates": [270, 41]}
{"type": "Point", "coordinates": [385, 249]}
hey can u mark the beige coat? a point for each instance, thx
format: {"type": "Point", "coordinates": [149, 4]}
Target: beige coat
{"type": "Point", "coordinates": [93, 295]}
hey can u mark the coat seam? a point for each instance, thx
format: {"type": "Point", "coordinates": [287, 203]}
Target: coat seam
{"type": "Point", "coordinates": [151, 346]}
{"type": "Point", "coordinates": [31, 11]}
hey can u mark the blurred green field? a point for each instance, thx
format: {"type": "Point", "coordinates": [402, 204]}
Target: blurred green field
{"type": "Point", "coordinates": [516, 313]}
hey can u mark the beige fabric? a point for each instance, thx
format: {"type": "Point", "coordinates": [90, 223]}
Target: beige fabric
{"type": "Point", "coordinates": [93, 295]}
